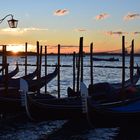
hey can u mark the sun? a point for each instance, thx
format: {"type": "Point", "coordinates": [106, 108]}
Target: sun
{"type": "Point", "coordinates": [15, 51]}
{"type": "Point", "coordinates": [15, 48]}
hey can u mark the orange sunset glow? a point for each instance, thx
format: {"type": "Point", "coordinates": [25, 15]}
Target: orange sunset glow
{"type": "Point", "coordinates": [66, 25]}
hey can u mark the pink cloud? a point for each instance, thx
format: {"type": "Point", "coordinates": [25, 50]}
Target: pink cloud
{"type": "Point", "coordinates": [135, 33]}
{"type": "Point", "coordinates": [80, 30]}
{"type": "Point", "coordinates": [61, 12]}
{"type": "Point", "coordinates": [117, 33]}
{"type": "Point", "coordinates": [102, 16]}
{"type": "Point", "coordinates": [131, 16]}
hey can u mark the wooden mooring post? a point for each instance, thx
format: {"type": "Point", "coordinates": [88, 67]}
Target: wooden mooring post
{"type": "Point", "coordinates": [58, 63]}
{"type": "Point", "coordinates": [45, 67]}
{"type": "Point", "coordinates": [38, 67]}
{"type": "Point", "coordinates": [79, 64]}
{"type": "Point", "coordinates": [74, 54]}
{"type": "Point", "coordinates": [40, 61]}
{"type": "Point", "coordinates": [132, 62]}
{"type": "Point", "coordinates": [37, 59]}
{"type": "Point", "coordinates": [81, 55]}
{"type": "Point", "coordinates": [26, 49]}
{"type": "Point", "coordinates": [123, 62]}
{"type": "Point", "coordinates": [91, 63]}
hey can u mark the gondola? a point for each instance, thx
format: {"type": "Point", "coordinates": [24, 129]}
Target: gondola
{"type": "Point", "coordinates": [107, 91]}
{"type": "Point", "coordinates": [30, 76]}
{"type": "Point", "coordinates": [11, 74]}
{"type": "Point", "coordinates": [112, 59]}
{"type": "Point", "coordinates": [127, 83]}
{"type": "Point", "coordinates": [62, 108]}
{"type": "Point", "coordinates": [50, 108]}
{"type": "Point", "coordinates": [34, 84]}
{"type": "Point", "coordinates": [114, 113]}
{"type": "Point", "coordinates": [2, 69]}
{"type": "Point", "coordinates": [53, 109]}
{"type": "Point", "coordinates": [10, 97]}
{"type": "Point", "coordinates": [11, 101]}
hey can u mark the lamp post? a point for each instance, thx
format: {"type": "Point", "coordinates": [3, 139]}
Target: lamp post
{"type": "Point", "coordinates": [12, 22]}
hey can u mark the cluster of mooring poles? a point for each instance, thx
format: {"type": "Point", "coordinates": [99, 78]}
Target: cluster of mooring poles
{"type": "Point", "coordinates": [77, 63]}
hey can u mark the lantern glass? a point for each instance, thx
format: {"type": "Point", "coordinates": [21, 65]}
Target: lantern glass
{"type": "Point", "coordinates": [13, 23]}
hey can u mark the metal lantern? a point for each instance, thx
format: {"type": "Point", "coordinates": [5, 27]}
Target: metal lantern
{"type": "Point", "coordinates": [13, 23]}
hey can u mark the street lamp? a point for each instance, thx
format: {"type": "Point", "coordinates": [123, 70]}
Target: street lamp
{"type": "Point", "coordinates": [12, 22]}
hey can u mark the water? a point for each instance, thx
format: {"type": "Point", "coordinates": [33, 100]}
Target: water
{"type": "Point", "coordinates": [33, 131]}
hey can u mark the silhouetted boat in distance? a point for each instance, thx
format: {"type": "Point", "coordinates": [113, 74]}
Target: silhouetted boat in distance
{"type": "Point", "coordinates": [23, 57]}
{"type": "Point", "coordinates": [105, 59]}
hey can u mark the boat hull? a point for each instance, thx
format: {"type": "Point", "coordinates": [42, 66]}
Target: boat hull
{"type": "Point", "coordinates": [114, 114]}
{"type": "Point", "coordinates": [55, 109]}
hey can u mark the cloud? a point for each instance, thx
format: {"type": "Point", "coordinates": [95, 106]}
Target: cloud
{"type": "Point", "coordinates": [61, 12]}
{"type": "Point", "coordinates": [116, 33]}
{"type": "Point", "coordinates": [102, 16]}
{"type": "Point", "coordinates": [20, 47]}
{"type": "Point", "coordinates": [35, 29]}
{"type": "Point", "coordinates": [80, 30]}
{"type": "Point", "coordinates": [135, 33]}
{"type": "Point", "coordinates": [21, 30]}
{"type": "Point", "coordinates": [131, 16]}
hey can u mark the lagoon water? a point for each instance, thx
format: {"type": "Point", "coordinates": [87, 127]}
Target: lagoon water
{"type": "Point", "coordinates": [34, 131]}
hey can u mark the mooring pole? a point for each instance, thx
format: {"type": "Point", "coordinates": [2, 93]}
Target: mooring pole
{"type": "Point", "coordinates": [25, 58]}
{"type": "Point", "coordinates": [74, 71]}
{"type": "Point", "coordinates": [37, 63]}
{"type": "Point", "coordinates": [37, 59]}
{"type": "Point", "coordinates": [132, 62]}
{"type": "Point", "coordinates": [91, 63]}
{"type": "Point", "coordinates": [79, 65]}
{"type": "Point", "coordinates": [40, 61]}
{"type": "Point", "coordinates": [45, 68]}
{"type": "Point", "coordinates": [58, 70]}
{"type": "Point", "coordinates": [81, 54]}
{"type": "Point", "coordinates": [123, 62]}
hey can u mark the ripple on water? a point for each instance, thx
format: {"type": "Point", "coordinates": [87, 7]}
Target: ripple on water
{"type": "Point", "coordinates": [28, 130]}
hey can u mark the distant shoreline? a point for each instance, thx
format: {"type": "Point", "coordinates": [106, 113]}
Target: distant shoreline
{"type": "Point", "coordinates": [9, 53]}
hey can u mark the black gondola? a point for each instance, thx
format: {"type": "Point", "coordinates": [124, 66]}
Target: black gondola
{"type": "Point", "coordinates": [66, 108]}
{"type": "Point", "coordinates": [1, 69]}
{"type": "Point", "coordinates": [107, 91]}
{"type": "Point", "coordinates": [10, 74]}
{"type": "Point", "coordinates": [112, 59]}
{"type": "Point", "coordinates": [30, 76]}
{"type": "Point", "coordinates": [112, 114]}
{"type": "Point", "coordinates": [10, 101]}
{"type": "Point", "coordinates": [54, 109]}
{"type": "Point", "coordinates": [34, 84]}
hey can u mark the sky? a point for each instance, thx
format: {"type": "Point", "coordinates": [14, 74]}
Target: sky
{"type": "Point", "coordinates": [53, 22]}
